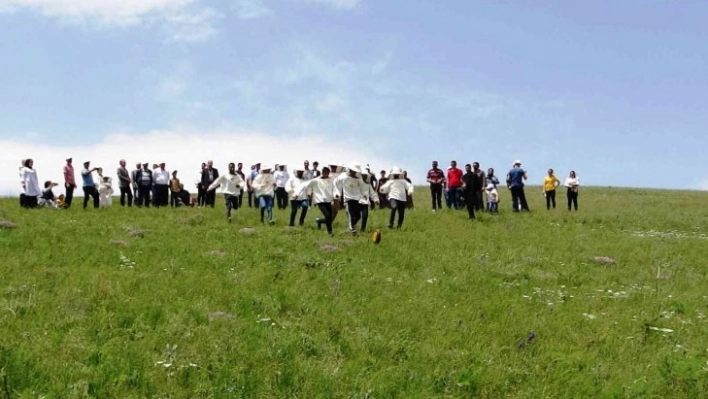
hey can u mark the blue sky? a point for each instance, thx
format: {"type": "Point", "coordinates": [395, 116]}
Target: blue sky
{"type": "Point", "coordinates": [617, 91]}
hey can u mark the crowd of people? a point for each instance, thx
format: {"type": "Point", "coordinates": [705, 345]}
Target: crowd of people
{"type": "Point", "coordinates": [332, 188]}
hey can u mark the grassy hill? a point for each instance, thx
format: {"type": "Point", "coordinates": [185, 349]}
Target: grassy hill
{"type": "Point", "coordinates": [177, 303]}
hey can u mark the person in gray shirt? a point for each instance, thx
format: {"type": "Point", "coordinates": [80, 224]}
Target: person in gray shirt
{"type": "Point", "coordinates": [124, 184]}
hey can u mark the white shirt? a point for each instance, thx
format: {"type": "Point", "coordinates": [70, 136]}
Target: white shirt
{"type": "Point", "coordinates": [161, 177]}
{"type": "Point", "coordinates": [281, 178]}
{"type": "Point", "coordinates": [351, 188]}
{"type": "Point", "coordinates": [230, 184]}
{"type": "Point", "coordinates": [292, 186]}
{"type": "Point", "coordinates": [397, 189]}
{"type": "Point", "coordinates": [263, 184]}
{"type": "Point", "coordinates": [322, 189]}
{"type": "Point", "coordinates": [198, 177]}
{"type": "Point", "coordinates": [572, 183]}
{"type": "Point", "coordinates": [369, 195]}
{"type": "Point", "coordinates": [30, 182]}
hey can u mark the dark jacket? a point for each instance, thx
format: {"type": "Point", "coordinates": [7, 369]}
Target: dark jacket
{"type": "Point", "coordinates": [205, 177]}
{"type": "Point", "coordinates": [139, 177]}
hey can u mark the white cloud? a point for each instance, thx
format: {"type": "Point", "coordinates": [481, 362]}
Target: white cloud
{"type": "Point", "coordinates": [251, 9]}
{"type": "Point", "coordinates": [182, 150]}
{"type": "Point", "coordinates": [184, 20]}
{"type": "Point", "coordinates": [193, 26]}
{"type": "Point", "coordinates": [112, 12]}
{"type": "Point", "coordinates": [338, 4]}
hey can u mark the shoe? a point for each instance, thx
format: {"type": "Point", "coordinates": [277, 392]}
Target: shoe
{"type": "Point", "coordinates": [390, 226]}
{"type": "Point", "coordinates": [319, 224]}
{"type": "Point", "coordinates": [229, 219]}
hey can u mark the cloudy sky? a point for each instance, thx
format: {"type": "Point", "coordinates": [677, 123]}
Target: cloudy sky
{"type": "Point", "coordinates": [617, 91]}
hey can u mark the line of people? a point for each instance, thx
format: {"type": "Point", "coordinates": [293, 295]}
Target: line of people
{"type": "Point", "coordinates": [468, 189]}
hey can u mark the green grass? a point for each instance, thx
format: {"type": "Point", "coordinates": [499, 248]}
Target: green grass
{"type": "Point", "coordinates": [194, 308]}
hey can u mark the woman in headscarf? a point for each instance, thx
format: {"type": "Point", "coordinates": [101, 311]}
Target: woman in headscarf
{"type": "Point", "coordinates": [30, 184]}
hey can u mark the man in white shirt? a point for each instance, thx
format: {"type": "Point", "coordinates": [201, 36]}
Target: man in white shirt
{"type": "Point", "coordinates": [161, 178]}
{"type": "Point", "coordinates": [322, 189]}
{"type": "Point", "coordinates": [351, 188]}
{"type": "Point", "coordinates": [264, 189]}
{"type": "Point", "coordinates": [368, 199]}
{"type": "Point", "coordinates": [231, 185]}
{"type": "Point", "coordinates": [297, 201]}
{"type": "Point", "coordinates": [281, 178]}
{"type": "Point", "coordinates": [335, 170]}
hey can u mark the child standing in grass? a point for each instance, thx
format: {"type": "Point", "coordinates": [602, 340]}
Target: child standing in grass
{"type": "Point", "coordinates": [105, 192]}
{"type": "Point", "coordinates": [492, 198]}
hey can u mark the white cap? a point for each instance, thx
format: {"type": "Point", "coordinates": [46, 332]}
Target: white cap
{"type": "Point", "coordinates": [517, 162]}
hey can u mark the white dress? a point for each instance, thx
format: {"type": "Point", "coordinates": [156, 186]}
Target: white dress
{"type": "Point", "coordinates": [105, 194]}
{"type": "Point", "coordinates": [30, 182]}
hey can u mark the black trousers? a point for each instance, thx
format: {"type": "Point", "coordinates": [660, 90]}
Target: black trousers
{"type": "Point", "coordinates": [470, 203]}
{"type": "Point", "coordinates": [90, 191]}
{"type": "Point", "coordinates": [162, 192]}
{"type": "Point", "coordinates": [144, 195]}
{"type": "Point", "coordinates": [250, 199]}
{"type": "Point", "coordinates": [281, 197]}
{"type": "Point", "coordinates": [231, 202]}
{"type": "Point", "coordinates": [518, 198]}
{"type": "Point", "coordinates": [436, 191]}
{"type": "Point", "coordinates": [210, 198]}
{"type": "Point", "coordinates": [30, 201]}
{"type": "Point", "coordinates": [572, 199]}
{"type": "Point", "coordinates": [294, 206]}
{"type": "Point", "coordinates": [126, 191]}
{"type": "Point", "coordinates": [364, 209]}
{"type": "Point", "coordinates": [353, 213]}
{"type": "Point", "coordinates": [326, 209]}
{"type": "Point", "coordinates": [478, 200]}
{"type": "Point", "coordinates": [201, 195]}
{"type": "Point", "coordinates": [23, 201]}
{"type": "Point", "coordinates": [397, 207]}
{"type": "Point", "coordinates": [550, 199]}
{"type": "Point", "coordinates": [69, 197]}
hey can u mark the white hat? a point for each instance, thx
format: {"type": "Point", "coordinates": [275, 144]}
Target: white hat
{"type": "Point", "coordinates": [490, 186]}
{"type": "Point", "coordinates": [395, 171]}
{"type": "Point", "coordinates": [517, 162]}
{"type": "Point", "coordinates": [299, 170]}
{"type": "Point", "coordinates": [355, 167]}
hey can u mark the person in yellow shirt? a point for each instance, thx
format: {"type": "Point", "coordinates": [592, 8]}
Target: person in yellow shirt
{"type": "Point", "coordinates": [550, 182]}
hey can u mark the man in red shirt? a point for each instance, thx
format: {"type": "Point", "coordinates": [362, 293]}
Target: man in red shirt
{"type": "Point", "coordinates": [69, 183]}
{"type": "Point", "coordinates": [454, 184]}
{"type": "Point", "coordinates": [436, 178]}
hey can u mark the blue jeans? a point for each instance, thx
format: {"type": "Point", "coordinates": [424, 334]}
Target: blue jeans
{"type": "Point", "coordinates": [453, 197]}
{"type": "Point", "coordinates": [266, 205]}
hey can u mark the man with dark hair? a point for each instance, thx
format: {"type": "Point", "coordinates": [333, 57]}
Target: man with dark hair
{"type": "Point", "coordinates": [436, 178]}
{"type": "Point", "coordinates": [134, 177]}
{"type": "Point", "coordinates": [144, 185]}
{"type": "Point", "coordinates": [469, 190]}
{"type": "Point", "coordinates": [515, 181]}
{"type": "Point", "coordinates": [231, 184]}
{"type": "Point", "coordinates": [454, 184]}
{"type": "Point", "coordinates": [88, 185]}
{"type": "Point", "coordinates": [69, 183]}
{"type": "Point", "coordinates": [161, 178]}
{"type": "Point", "coordinates": [479, 184]}
{"type": "Point", "coordinates": [322, 189]}
{"type": "Point", "coordinates": [239, 171]}
{"type": "Point", "coordinates": [124, 184]}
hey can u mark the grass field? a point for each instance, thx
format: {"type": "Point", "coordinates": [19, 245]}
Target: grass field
{"type": "Point", "coordinates": [137, 303]}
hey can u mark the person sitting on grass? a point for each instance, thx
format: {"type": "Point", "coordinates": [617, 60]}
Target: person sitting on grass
{"type": "Point", "coordinates": [264, 190]}
{"type": "Point", "coordinates": [184, 198]}
{"type": "Point", "coordinates": [48, 198]}
{"type": "Point", "coordinates": [398, 191]}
